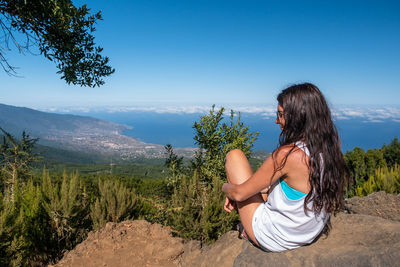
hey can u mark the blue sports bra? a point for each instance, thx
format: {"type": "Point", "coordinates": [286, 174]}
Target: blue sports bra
{"type": "Point", "coordinates": [290, 192]}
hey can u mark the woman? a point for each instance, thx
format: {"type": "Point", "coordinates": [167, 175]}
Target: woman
{"type": "Point", "coordinates": [288, 201]}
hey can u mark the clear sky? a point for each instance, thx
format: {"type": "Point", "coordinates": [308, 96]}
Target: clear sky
{"type": "Point", "coordinates": [227, 51]}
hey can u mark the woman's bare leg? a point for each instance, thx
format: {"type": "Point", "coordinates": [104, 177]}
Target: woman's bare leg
{"type": "Point", "coordinates": [238, 170]}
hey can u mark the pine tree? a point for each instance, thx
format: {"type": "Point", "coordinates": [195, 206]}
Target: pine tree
{"type": "Point", "coordinates": [15, 159]}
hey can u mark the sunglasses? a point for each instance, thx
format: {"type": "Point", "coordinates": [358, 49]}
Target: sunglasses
{"type": "Point", "coordinates": [279, 114]}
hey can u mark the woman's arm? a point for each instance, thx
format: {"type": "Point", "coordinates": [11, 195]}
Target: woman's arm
{"type": "Point", "coordinates": [261, 179]}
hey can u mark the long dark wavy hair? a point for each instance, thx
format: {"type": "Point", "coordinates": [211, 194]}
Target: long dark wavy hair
{"type": "Point", "coordinates": [308, 119]}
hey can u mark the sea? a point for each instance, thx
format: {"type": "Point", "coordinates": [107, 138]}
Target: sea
{"type": "Point", "coordinates": [177, 128]}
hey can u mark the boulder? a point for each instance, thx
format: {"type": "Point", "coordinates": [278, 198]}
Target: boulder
{"type": "Point", "coordinates": [354, 240]}
{"type": "Point", "coordinates": [220, 254]}
{"type": "Point", "coordinates": [379, 204]}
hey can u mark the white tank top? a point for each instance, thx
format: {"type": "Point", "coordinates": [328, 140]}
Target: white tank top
{"type": "Point", "coordinates": [281, 223]}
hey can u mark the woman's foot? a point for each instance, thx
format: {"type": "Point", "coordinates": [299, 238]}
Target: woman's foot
{"type": "Point", "coordinates": [242, 232]}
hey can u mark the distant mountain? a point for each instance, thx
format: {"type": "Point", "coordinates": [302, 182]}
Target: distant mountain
{"type": "Point", "coordinates": [43, 123]}
{"type": "Point", "coordinates": [77, 133]}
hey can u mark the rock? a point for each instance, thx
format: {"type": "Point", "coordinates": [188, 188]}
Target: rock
{"type": "Point", "coordinates": [355, 240]}
{"type": "Point", "coordinates": [222, 253]}
{"type": "Point", "coordinates": [378, 204]}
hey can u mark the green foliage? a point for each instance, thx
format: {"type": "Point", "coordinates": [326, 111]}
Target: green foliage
{"type": "Point", "coordinates": [188, 202]}
{"type": "Point", "coordinates": [24, 228]}
{"type": "Point", "coordinates": [146, 169]}
{"type": "Point", "coordinates": [114, 204]}
{"type": "Point", "coordinates": [391, 152]}
{"type": "Point", "coordinates": [7, 215]}
{"type": "Point", "coordinates": [383, 179]}
{"type": "Point", "coordinates": [158, 190]}
{"type": "Point", "coordinates": [197, 202]}
{"type": "Point", "coordinates": [62, 33]}
{"type": "Point", "coordinates": [197, 212]}
{"type": "Point", "coordinates": [176, 168]}
{"type": "Point", "coordinates": [356, 163]}
{"type": "Point", "coordinates": [215, 220]}
{"type": "Point", "coordinates": [371, 171]}
{"type": "Point", "coordinates": [197, 209]}
{"type": "Point", "coordinates": [173, 162]}
{"type": "Point", "coordinates": [67, 206]}
{"type": "Point", "coordinates": [16, 157]}
{"type": "Point", "coordinates": [42, 221]}
{"type": "Point", "coordinates": [216, 138]}
{"type": "Point", "coordinates": [49, 217]}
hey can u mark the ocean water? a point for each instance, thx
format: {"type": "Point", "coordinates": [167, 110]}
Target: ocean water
{"type": "Point", "coordinates": [176, 129]}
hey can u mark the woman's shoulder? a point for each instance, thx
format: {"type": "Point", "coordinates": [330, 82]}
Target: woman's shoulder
{"type": "Point", "coordinates": [289, 149]}
{"type": "Point", "coordinates": [284, 149]}
{"type": "Point", "coordinates": [291, 154]}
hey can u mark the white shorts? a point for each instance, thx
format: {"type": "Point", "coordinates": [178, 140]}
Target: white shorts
{"type": "Point", "coordinates": [257, 216]}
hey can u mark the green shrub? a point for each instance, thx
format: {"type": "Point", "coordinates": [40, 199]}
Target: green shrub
{"type": "Point", "coordinates": [24, 228]}
{"type": "Point", "coordinates": [383, 179]}
{"type": "Point", "coordinates": [115, 203]}
{"type": "Point", "coordinates": [67, 207]}
{"type": "Point", "coordinates": [197, 202]}
{"type": "Point", "coordinates": [364, 165]}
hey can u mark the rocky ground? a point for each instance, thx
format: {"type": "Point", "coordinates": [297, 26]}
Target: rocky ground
{"type": "Point", "coordinates": [377, 204]}
{"type": "Point", "coordinates": [366, 234]}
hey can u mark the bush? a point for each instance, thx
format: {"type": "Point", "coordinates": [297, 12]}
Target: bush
{"type": "Point", "coordinates": [24, 228]}
{"type": "Point", "coordinates": [384, 179]}
{"type": "Point", "coordinates": [197, 202]}
{"type": "Point", "coordinates": [114, 204]}
{"type": "Point", "coordinates": [67, 207]}
{"type": "Point", "coordinates": [367, 167]}
{"type": "Point", "coordinates": [45, 219]}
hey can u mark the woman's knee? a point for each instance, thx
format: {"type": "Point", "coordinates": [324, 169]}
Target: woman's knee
{"type": "Point", "coordinates": [235, 154]}
{"type": "Point", "coordinates": [237, 167]}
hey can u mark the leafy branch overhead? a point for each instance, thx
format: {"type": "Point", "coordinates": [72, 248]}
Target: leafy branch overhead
{"type": "Point", "coordinates": [62, 32]}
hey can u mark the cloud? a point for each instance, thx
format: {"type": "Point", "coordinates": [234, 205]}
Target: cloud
{"type": "Point", "coordinates": [66, 109]}
{"type": "Point", "coordinates": [167, 109]}
{"type": "Point", "coordinates": [367, 114]}
{"type": "Point", "coordinates": [373, 120]}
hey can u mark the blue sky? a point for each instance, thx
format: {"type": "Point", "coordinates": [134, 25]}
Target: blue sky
{"type": "Point", "coordinates": [227, 52]}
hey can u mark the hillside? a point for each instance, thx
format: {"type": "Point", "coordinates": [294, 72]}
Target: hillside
{"type": "Point", "coordinates": [45, 124]}
{"type": "Point", "coordinates": [78, 133]}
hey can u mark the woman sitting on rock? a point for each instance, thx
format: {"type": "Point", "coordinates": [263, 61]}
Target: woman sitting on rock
{"type": "Point", "coordinates": [287, 202]}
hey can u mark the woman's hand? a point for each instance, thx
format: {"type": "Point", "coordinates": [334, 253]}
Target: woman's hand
{"type": "Point", "coordinates": [230, 205]}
